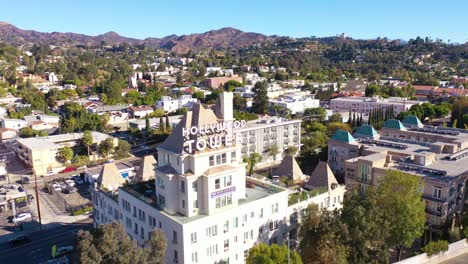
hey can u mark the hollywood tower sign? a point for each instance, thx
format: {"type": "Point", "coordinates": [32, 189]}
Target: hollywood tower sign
{"type": "Point", "coordinates": [212, 135]}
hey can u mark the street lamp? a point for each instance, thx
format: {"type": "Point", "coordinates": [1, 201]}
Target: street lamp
{"type": "Point", "coordinates": [289, 247]}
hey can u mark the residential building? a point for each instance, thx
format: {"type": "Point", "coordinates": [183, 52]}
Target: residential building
{"type": "Point", "coordinates": [201, 198]}
{"type": "Point", "coordinates": [41, 152]}
{"type": "Point", "coordinates": [217, 82]}
{"type": "Point", "coordinates": [11, 123]}
{"type": "Point", "coordinates": [140, 111]}
{"type": "Point", "coordinates": [296, 104]}
{"type": "Point", "coordinates": [438, 155]}
{"type": "Point", "coordinates": [42, 122]}
{"type": "Point", "coordinates": [365, 104]}
{"type": "Point", "coordinates": [168, 104]}
{"type": "Point", "coordinates": [154, 122]}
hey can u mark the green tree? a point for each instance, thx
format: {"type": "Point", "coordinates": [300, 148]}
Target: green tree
{"type": "Point", "coordinates": [147, 125]}
{"type": "Point", "coordinates": [372, 90]}
{"type": "Point", "coordinates": [168, 125]}
{"type": "Point", "coordinates": [367, 229]}
{"type": "Point", "coordinates": [231, 85]}
{"type": "Point", "coordinates": [239, 102]}
{"type": "Point", "coordinates": [27, 132]}
{"type": "Point", "coordinates": [291, 150]}
{"type": "Point", "coordinates": [162, 127]}
{"type": "Point", "coordinates": [252, 161]}
{"type": "Point", "coordinates": [87, 140]}
{"type": "Point", "coordinates": [110, 243]}
{"type": "Point", "coordinates": [399, 197]}
{"type": "Point", "coordinates": [106, 147]}
{"type": "Point", "coordinates": [199, 95]}
{"type": "Point", "coordinates": [317, 112]}
{"type": "Point", "coordinates": [122, 150]}
{"type": "Point", "coordinates": [322, 237]}
{"type": "Point", "coordinates": [334, 126]}
{"type": "Point", "coordinates": [336, 117]}
{"type": "Point", "coordinates": [274, 254]}
{"type": "Point", "coordinates": [436, 247]}
{"type": "Point", "coordinates": [65, 154]}
{"type": "Point", "coordinates": [260, 102]}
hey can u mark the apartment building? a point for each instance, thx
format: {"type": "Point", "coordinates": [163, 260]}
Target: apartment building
{"type": "Point", "coordinates": [296, 104]}
{"type": "Point", "coordinates": [217, 82]}
{"type": "Point", "coordinates": [41, 152]}
{"type": "Point", "coordinates": [201, 198]}
{"type": "Point", "coordinates": [365, 104]}
{"type": "Point", "coordinates": [436, 154]}
{"type": "Point", "coordinates": [168, 104]}
{"type": "Point", "coordinates": [260, 135]}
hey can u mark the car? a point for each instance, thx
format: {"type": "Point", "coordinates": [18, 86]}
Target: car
{"type": "Point", "coordinates": [50, 173]}
{"type": "Point", "coordinates": [56, 187]}
{"type": "Point", "coordinates": [70, 190]}
{"type": "Point", "coordinates": [22, 217]}
{"type": "Point", "coordinates": [68, 169]}
{"type": "Point", "coordinates": [25, 180]}
{"type": "Point", "coordinates": [30, 197]}
{"type": "Point", "coordinates": [64, 250]}
{"type": "Point", "coordinates": [19, 189]}
{"type": "Point", "coordinates": [70, 183]}
{"type": "Point", "coordinates": [18, 241]}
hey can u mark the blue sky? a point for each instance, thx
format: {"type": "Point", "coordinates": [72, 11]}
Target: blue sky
{"type": "Point", "coordinates": [297, 18]}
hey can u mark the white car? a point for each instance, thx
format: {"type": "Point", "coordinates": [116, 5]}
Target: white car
{"type": "Point", "coordinates": [64, 250]}
{"type": "Point", "coordinates": [50, 173]}
{"type": "Point", "coordinates": [56, 187]}
{"type": "Point", "coordinates": [70, 183]}
{"type": "Point", "coordinates": [22, 217]}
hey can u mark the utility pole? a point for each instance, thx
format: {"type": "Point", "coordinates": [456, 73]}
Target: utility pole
{"type": "Point", "coordinates": [37, 200]}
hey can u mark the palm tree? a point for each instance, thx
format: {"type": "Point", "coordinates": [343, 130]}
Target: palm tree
{"type": "Point", "coordinates": [87, 140]}
{"type": "Point", "coordinates": [273, 151]}
{"type": "Point", "coordinates": [252, 161]}
{"type": "Point", "coordinates": [65, 154]}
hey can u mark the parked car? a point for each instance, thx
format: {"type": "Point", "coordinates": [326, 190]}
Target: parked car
{"type": "Point", "coordinates": [70, 190]}
{"type": "Point", "coordinates": [30, 197]}
{"type": "Point", "coordinates": [68, 169]}
{"type": "Point", "coordinates": [18, 241]}
{"type": "Point", "coordinates": [63, 250]}
{"type": "Point", "coordinates": [56, 187]}
{"type": "Point", "coordinates": [70, 183]}
{"type": "Point", "coordinates": [50, 173]}
{"type": "Point", "coordinates": [22, 217]}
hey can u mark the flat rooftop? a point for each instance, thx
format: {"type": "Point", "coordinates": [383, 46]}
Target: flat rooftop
{"type": "Point", "coordinates": [53, 141]}
{"type": "Point", "coordinates": [255, 190]}
{"type": "Point", "coordinates": [268, 121]}
{"type": "Point", "coordinates": [453, 168]}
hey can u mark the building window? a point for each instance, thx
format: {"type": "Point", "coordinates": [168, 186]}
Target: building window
{"type": "Point", "coordinates": [176, 256]}
{"type": "Point", "coordinates": [439, 207]}
{"type": "Point", "coordinates": [261, 213]}
{"type": "Point", "coordinates": [274, 208]}
{"type": "Point", "coordinates": [212, 161]}
{"type": "Point", "coordinates": [226, 245]}
{"type": "Point", "coordinates": [195, 204]}
{"type": "Point", "coordinates": [217, 184]}
{"type": "Point", "coordinates": [235, 223]}
{"type": "Point", "coordinates": [183, 204]}
{"type": "Point", "coordinates": [161, 200]}
{"type": "Point", "coordinates": [218, 159]}
{"type": "Point", "coordinates": [195, 186]}
{"type": "Point", "coordinates": [136, 229]}
{"type": "Point", "coordinates": [437, 192]}
{"type": "Point", "coordinates": [233, 157]}
{"type": "Point", "coordinates": [229, 180]}
{"type": "Point", "coordinates": [182, 186]}
{"type": "Point", "coordinates": [226, 226]}
{"type": "Point", "coordinates": [174, 237]}
{"type": "Point", "coordinates": [194, 257]}
{"type": "Point", "coordinates": [223, 158]}
{"type": "Point", "coordinates": [193, 237]}
{"type": "Point", "coordinates": [211, 231]}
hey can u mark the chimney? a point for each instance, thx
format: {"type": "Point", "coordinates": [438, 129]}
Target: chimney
{"type": "Point", "coordinates": [226, 106]}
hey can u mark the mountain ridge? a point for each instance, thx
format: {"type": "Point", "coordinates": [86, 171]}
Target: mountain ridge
{"type": "Point", "coordinates": [217, 39]}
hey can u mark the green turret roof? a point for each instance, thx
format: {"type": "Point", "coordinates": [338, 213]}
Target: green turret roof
{"type": "Point", "coordinates": [412, 121]}
{"type": "Point", "coordinates": [366, 131]}
{"type": "Point", "coordinates": [394, 124]}
{"type": "Point", "coordinates": [343, 136]}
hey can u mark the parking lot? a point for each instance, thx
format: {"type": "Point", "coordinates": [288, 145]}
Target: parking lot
{"type": "Point", "coordinates": [69, 194]}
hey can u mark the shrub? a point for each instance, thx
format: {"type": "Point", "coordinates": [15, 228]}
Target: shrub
{"type": "Point", "coordinates": [436, 247]}
{"type": "Point", "coordinates": [454, 235]}
{"type": "Point", "coordinates": [83, 210]}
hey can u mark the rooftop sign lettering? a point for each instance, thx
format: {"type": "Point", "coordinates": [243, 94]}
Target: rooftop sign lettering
{"type": "Point", "coordinates": [212, 135]}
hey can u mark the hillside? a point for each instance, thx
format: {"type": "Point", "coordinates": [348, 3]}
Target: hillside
{"type": "Point", "coordinates": [217, 39]}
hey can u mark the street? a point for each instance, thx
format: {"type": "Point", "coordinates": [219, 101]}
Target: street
{"type": "Point", "coordinates": [40, 248]}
